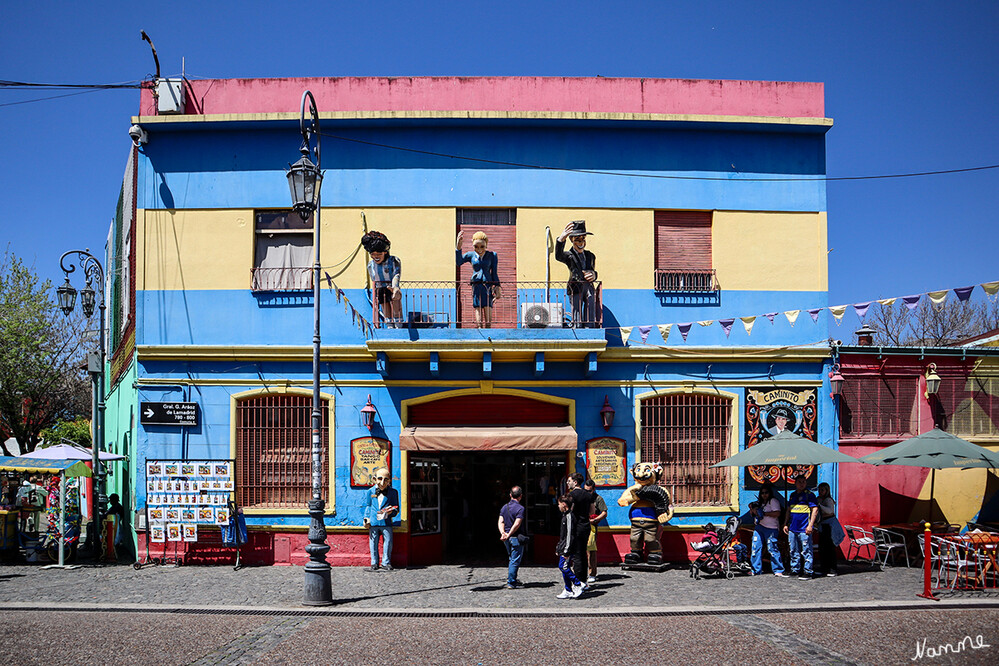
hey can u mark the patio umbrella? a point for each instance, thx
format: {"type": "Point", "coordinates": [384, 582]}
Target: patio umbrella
{"type": "Point", "coordinates": [935, 450]}
{"type": "Point", "coordinates": [784, 449]}
{"type": "Point", "coordinates": [70, 452]}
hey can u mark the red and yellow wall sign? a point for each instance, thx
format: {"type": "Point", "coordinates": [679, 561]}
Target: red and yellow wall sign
{"type": "Point", "coordinates": [366, 455]}
{"type": "Point", "coordinates": [607, 461]}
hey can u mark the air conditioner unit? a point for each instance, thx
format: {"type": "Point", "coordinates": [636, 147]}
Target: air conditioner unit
{"type": "Point", "coordinates": [541, 315]}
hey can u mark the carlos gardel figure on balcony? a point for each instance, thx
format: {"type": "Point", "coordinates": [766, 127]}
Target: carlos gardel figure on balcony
{"type": "Point", "coordinates": [582, 273]}
{"type": "Point", "coordinates": [385, 271]}
{"type": "Point", "coordinates": [485, 279]}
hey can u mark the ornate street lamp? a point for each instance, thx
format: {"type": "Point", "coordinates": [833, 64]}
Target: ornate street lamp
{"type": "Point", "coordinates": [932, 380]}
{"type": "Point", "coordinates": [66, 294]}
{"type": "Point", "coordinates": [305, 180]}
{"type": "Point", "coordinates": [607, 414]}
{"type": "Point", "coordinates": [368, 413]}
{"type": "Point", "coordinates": [835, 382]}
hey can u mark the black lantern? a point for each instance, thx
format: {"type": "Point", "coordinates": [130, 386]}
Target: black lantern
{"type": "Point", "coordinates": [304, 181]}
{"type": "Point", "coordinates": [932, 380]}
{"type": "Point", "coordinates": [368, 412]}
{"type": "Point", "coordinates": [607, 414]}
{"type": "Point", "coordinates": [66, 295]}
{"type": "Point", "coordinates": [88, 300]}
{"type": "Point", "coordinates": [835, 382]}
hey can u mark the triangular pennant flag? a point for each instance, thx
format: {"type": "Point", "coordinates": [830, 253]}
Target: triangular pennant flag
{"type": "Point", "coordinates": [684, 329]}
{"type": "Point", "coordinates": [911, 301]}
{"type": "Point", "coordinates": [625, 334]}
{"type": "Point", "coordinates": [726, 325]}
{"type": "Point", "coordinates": [792, 316]}
{"type": "Point", "coordinates": [664, 330]}
{"type": "Point", "coordinates": [937, 297]}
{"type": "Point", "coordinates": [748, 323]}
{"type": "Point", "coordinates": [861, 310]}
{"type": "Point", "coordinates": [964, 293]}
{"type": "Point", "coordinates": [991, 288]}
{"type": "Point", "coordinates": [770, 316]}
{"type": "Point", "coordinates": [886, 302]}
{"type": "Point", "coordinates": [838, 311]}
{"type": "Point", "coordinates": [706, 322]}
{"type": "Point", "coordinates": [644, 332]}
{"type": "Point", "coordinates": [329, 280]}
{"type": "Point", "coordinates": [815, 313]}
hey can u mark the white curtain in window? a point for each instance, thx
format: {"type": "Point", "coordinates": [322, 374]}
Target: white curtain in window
{"type": "Point", "coordinates": [283, 262]}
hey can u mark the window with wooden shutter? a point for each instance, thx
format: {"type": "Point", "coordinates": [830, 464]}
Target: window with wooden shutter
{"type": "Point", "coordinates": [878, 406]}
{"type": "Point", "coordinates": [500, 227]}
{"type": "Point", "coordinates": [689, 433]}
{"type": "Point", "coordinates": [969, 405]}
{"type": "Point", "coordinates": [683, 252]}
{"type": "Point", "coordinates": [274, 451]}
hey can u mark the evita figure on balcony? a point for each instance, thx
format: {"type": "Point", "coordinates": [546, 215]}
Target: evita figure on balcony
{"type": "Point", "coordinates": [485, 279]}
{"type": "Point", "coordinates": [385, 271]}
{"type": "Point", "coordinates": [582, 273]}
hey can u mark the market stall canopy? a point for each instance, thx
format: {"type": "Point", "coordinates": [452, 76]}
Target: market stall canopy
{"type": "Point", "coordinates": [69, 452]}
{"type": "Point", "coordinates": [786, 448]}
{"type": "Point", "coordinates": [72, 468]}
{"type": "Point", "coordinates": [492, 438]}
{"type": "Point", "coordinates": [935, 449]}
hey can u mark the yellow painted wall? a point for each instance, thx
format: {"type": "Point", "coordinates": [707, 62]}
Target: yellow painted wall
{"type": "Point", "coordinates": [622, 240]}
{"type": "Point", "coordinates": [770, 251]}
{"type": "Point", "coordinates": [213, 249]}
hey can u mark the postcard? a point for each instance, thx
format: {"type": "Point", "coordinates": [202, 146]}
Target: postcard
{"type": "Point", "coordinates": [222, 469]}
{"type": "Point", "coordinates": [171, 469]}
{"type": "Point", "coordinates": [187, 469]}
{"type": "Point", "coordinates": [222, 515]}
{"type": "Point", "coordinates": [204, 469]}
{"type": "Point", "coordinates": [173, 532]}
{"type": "Point", "coordinates": [154, 469]}
{"type": "Point", "coordinates": [227, 484]}
{"type": "Point", "coordinates": [155, 514]}
{"type": "Point", "coordinates": [188, 515]}
{"type": "Point", "coordinates": [206, 514]}
{"type": "Point", "coordinates": [172, 514]}
{"type": "Point", "coordinates": [190, 532]}
{"type": "Point", "coordinates": [157, 534]}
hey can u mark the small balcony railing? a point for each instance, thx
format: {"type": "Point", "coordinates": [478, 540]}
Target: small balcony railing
{"type": "Point", "coordinates": [281, 279]}
{"type": "Point", "coordinates": [527, 305]}
{"type": "Point", "coordinates": [686, 281]}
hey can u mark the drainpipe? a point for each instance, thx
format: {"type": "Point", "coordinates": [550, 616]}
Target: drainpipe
{"type": "Point", "coordinates": [548, 264]}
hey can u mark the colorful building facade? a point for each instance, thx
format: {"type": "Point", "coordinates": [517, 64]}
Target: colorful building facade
{"type": "Point", "coordinates": [707, 212]}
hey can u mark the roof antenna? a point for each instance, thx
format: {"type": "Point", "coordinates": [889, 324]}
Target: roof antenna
{"type": "Point", "coordinates": [156, 77]}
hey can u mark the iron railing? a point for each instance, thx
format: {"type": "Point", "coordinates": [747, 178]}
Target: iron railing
{"type": "Point", "coordinates": [528, 305]}
{"type": "Point", "coordinates": [686, 280]}
{"type": "Point", "coordinates": [281, 279]}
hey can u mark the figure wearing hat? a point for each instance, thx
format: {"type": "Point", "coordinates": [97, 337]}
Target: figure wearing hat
{"type": "Point", "coordinates": [385, 271]}
{"type": "Point", "coordinates": [582, 273]}
{"type": "Point", "coordinates": [485, 278]}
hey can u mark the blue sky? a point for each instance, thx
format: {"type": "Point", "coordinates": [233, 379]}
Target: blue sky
{"type": "Point", "coordinates": [912, 86]}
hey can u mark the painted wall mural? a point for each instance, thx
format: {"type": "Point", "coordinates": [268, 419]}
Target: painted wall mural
{"type": "Point", "coordinates": [768, 412]}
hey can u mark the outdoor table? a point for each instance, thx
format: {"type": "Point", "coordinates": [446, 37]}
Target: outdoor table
{"type": "Point", "coordinates": [986, 544]}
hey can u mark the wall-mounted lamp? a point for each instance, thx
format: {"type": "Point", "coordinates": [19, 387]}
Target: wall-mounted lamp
{"type": "Point", "coordinates": [607, 414]}
{"type": "Point", "coordinates": [368, 412]}
{"type": "Point", "coordinates": [835, 382]}
{"type": "Point", "coordinates": [932, 380]}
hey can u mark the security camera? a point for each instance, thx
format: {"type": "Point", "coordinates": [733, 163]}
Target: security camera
{"type": "Point", "coordinates": [139, 136]}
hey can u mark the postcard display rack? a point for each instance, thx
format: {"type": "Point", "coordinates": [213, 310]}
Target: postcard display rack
{"type": "Point", "coordinates": [183, 495]}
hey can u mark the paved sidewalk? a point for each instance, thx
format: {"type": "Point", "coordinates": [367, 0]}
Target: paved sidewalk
{"type": "Point", "coordinates": [451, 588]}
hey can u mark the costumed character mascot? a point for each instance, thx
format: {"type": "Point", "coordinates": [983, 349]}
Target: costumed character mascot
{"type": "Point", "coordinates": [651, 506]}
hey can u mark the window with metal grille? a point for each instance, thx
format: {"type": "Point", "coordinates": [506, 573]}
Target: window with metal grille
{"type": "Point", "coordinates": [969, 405]}
{"type": "Point", "coordinates": [878, 406]}
{"type": "Point", "coordinates": [689, 433]}
{"type": "Point", "coordinates": [274, 451]}
{"type": "Point", "coordinates": [683, 252]}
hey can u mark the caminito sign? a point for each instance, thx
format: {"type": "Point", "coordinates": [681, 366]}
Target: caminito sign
{"type": "Point", "coordinates": [168, 413]}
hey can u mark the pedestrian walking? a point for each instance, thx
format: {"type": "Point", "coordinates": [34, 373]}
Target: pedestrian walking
{"type": "Point", "coordinates": [598, 511]}
{"type": "Point", "coordinates": [802, 512]}
{"type": "Point", "coordinates": [581, 503]}
{"type": "Point", "coordinates": [512, 524]}
{"type": "Point", "coordinates": [379, 517]}
{"type": "Point", "coordinates": [572, 586]}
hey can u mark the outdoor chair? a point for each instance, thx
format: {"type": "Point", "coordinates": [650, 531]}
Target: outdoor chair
{"type": "Point", "coordinates": [934, 558]}
{"type": "Point", "coordinates": [887, 543]}
{"type": "Point", "coordinates": [860, 539]}
{"type": "Point", "coordinates": [958, 560]}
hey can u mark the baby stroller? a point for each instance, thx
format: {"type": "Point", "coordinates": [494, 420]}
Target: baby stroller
{"type": "Point", "coordinates": [726, 557]}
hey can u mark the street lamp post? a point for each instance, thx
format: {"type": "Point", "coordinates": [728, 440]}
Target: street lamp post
{"type": "Point", "coordinates": [94, 273]}
{"type": "Point", "coordinates": [305, 179]}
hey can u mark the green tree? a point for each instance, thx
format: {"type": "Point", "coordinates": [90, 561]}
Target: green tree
{"type": "Point", "coordinates": [41, 354]}
{"type": "Point", "coordinates": [75, 430]}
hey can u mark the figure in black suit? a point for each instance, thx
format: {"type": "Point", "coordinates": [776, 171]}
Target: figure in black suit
{"type": "Point", "coordinates": [582, 273]}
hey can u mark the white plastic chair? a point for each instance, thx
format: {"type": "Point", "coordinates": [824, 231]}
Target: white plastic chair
{"type": "Point", "coordinates": [859, 540]}
{"type": "Point", "coordinates": [888, 542]}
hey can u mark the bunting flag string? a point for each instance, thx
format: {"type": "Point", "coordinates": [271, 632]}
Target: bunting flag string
{"type": "Point", "coordinates": [861, 310]}
{"type": "Point", "coordinates": [644, 332]}
{"type": "Point", "coordinates": [625, 334]}
{"type": "Point", "coordinates": [684, 329]}
{"type": "Point", "coordinates": [770, 316]}
{"type": "Point", "coordinates": [814, 312]}
{"type": "Point", "coordinates": [792, 316]}
{"type": "Point", "coordinates": [886, 302]}
{"type": "Point", "coordinates": [911, 301]}
{"type": "Point", "coordinates": [664, 331]}
{"type": "Point", "coordinates": [726, 325]}
{"type": "Point", "coordinates": [706, 322]}
{"type": "Point", "coordinates": [937, 297]}
{"type": "Point", "coordinates": [964, 293]}
{"type": "Point", "coordinates": [348, 308]}
{"type": "Point", "coordinates": [747, 323]}
{"type": "Point", "coordinates": [837, 312]}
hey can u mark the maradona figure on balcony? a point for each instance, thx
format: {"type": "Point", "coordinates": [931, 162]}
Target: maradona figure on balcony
{"type": "Point", "coordinates": [385, 271]}
{"type": "Point", "coordinates": [485, 278]}
{"type": "Point", "coordinates": [582, 274]}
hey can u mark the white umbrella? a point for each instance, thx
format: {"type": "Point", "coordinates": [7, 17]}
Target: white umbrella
{"type": "Point", "coordinates": [69, 452]}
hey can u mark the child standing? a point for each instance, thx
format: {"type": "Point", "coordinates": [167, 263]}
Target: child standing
{"type": "Point", "coordinates": [573, 587]}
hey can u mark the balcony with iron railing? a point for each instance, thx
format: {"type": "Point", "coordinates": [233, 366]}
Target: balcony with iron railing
{"type": "Point", "coordinates": [297, 278]}
{"type": "Point", "coordinates": [520, 305]}
{"type": "Point", "coordinates": [686, 281]}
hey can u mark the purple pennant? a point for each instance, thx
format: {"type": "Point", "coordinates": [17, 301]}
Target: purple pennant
{"type": "Point", "coordinates": [861, 310]}
{"type": "Point", "coordinates": [771, 315]}
{"type": "Point", "coordinates": [684, 329]}
{"type": "Point", "coordinates": [329, 280]}
{"type": "Point", "coordinates": [911, 301]}
{"type": "Point", "coordinates": [644, 332]}
{"type": "Point", "coordinates": [726, 325]}
{"type": "Point", "coordinates": [815, 313]}
{"type": "Point", "coordinates": [964, 293]}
